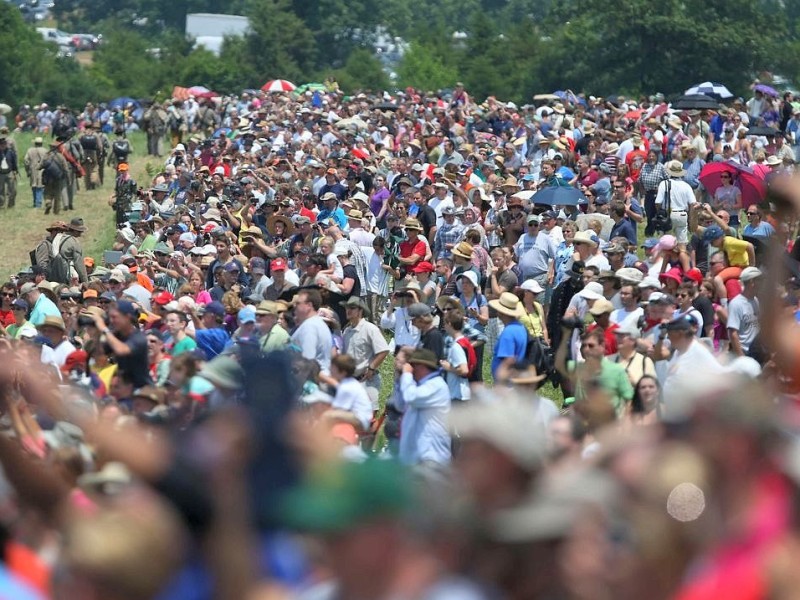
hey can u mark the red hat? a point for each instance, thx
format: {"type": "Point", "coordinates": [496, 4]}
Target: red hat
{"type": "Point", "coordinates": [163, 298]}
{"type": "Point", "coordinates": [694, 275]}
{"type": "Point", "coordinates": [278, 264]}
{"type": "Point", "coordinates": [76, 359]}
{"type": "Point", "coordinates": [674, 273]}
{"type": "Point", "coordinates": [423, 267]}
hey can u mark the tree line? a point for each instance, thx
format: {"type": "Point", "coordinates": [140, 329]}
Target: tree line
{"type": "Point", "coordinates": [510, 49]}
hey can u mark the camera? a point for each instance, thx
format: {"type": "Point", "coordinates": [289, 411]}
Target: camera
{"type": "Point", "coordinates": [85, 321]}
{"type": "Point", "coordinates": [573, 323]}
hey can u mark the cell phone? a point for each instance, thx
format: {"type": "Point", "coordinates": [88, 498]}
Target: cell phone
{"type": "Point", "coordinates": [112, 257]}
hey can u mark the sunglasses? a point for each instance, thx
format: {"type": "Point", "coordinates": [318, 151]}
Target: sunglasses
{"type": "Point", "coordinates": [751, 214]}
{"type": "Point", "coordinates": [9, 294]}
{"type": "Point", "coordinates": [682, 295]}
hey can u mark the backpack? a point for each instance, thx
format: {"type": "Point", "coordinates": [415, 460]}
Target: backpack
{"type": "Point", "coordinates": [89, 142]}
{"type": "Point", "coordinates": [52, 171]}
{"type": "Point", "coordinates": [472, 358]}
{"type": "Point", "coordinates": [121, 149]}
{"type": "Point", "coordinates": [60, 267]}
{"type": "Point", "coordinates": [540, 355]}
{"type": "Point", "coordinates": [44, 249]}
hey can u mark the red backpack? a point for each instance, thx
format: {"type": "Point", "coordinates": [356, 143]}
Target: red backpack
{"type": "Point", "coordinates": [472, 358]}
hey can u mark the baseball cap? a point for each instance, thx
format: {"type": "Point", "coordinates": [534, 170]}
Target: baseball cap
{"type": "Point", "coordinates": [27, 288]}
{"type": "Point", "coordinates": [650, 282]}
{"type": "Point", "coordinates": [749, 274]}
{"type": "Point", "coordinates": [661, 298]}
{"type": "Point", "coordinates": [127, 308]}
{"type": "Point", "coordinates": [215, 308]}
{"type": "Point", "coordinates": [278, 264]}
{"type": "Point", "coordinates": [90, 293]}
{"type": "Point", "coordinates": [163, 298]}
{"type": "Point", "coordinates": [258, 265]}
{"type": "Point", "coordinates": [419, 309]}
{"type": "Point", "coordinates": [232, 267]}
{"type": "Point", "coordinates": [592, 291]}
{"type": "Point", "coordinates": [247, 315]}
{"type": "Point", "coordinates": [20, 303]}
{"type": "Point", "coordinates": [650, 243]}
{"type": "Point", "coordinates": [628, 328]}
{"type": "Point", "coordinates": [682, 323]}
{"type": "Point", "coordinates": [714, 232]}
{"type": "Point", "coordinates": [601, 307]}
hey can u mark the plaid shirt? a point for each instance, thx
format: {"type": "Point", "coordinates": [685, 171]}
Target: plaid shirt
{"type": "Point", "coordinates": [652, 175]}
{"type": "Point", "coordinates": [447, 234]}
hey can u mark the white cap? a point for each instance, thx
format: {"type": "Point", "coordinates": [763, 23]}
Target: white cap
{"type": "Point", "coordinates": [531, 285]}
{"type": "Point", "coordinates": [650, 282]}
{"type": "Point", "coordinates": [592, 291]}
{"type": "Point", "coordinates": [219, 171]}
{"type": "Point", "coordinates": [180, 148]}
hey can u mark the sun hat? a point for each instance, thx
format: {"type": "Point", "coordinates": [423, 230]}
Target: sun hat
{"type": "Point", "coordinates": [224, 372]}
{"type": "Point", "coordinates": [354, 302]}
{"type": "Point", "coordinates": [423, 356]}
{"type": "Point", "coordinates": [666, 242]}
{"type": "Point", "coordinates": [675, 168]}
{"type": "Point", "coordinates": [649, 282]}
{"type": "Point", "coordinates": [471, 275]}
{"type": "Point", "coordinates": [267, 307]}
{"type": "Point", "coordinates": [52, 321]}
{"type": "Point", "coordinates": [505, 424]}
{"type": "Point", "coordinates": [674, 274]}
{"type": "Point", "coordinates": [630, 275]}
{"type": "Point", "coordinates": [463, 250]}
{"type": "Point", "coordinates": [412, 224]}
{"type": "Point", "coordinates": [507, 304]}
{"type": "Point", "coordinates": [443, 302]}
{"type": "Point", "coordinates": [584, 237]}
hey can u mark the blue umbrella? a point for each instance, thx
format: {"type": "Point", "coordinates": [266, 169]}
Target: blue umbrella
{"type": "Point", "coordinates": [118, 103]}
{"type": "Point", "coordinates": [221, 132]}
{"type": "Point", "coordinates": [559, 196]}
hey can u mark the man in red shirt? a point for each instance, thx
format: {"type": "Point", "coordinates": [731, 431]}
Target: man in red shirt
{"type": "Point", "coordinates": [636, 158]}
{"type": "Point", "coordinates": [601, 311]}
{"type": "Point", "coordinates": [413, 250]}
{"type": "Point", "coordinates": [8, 294]}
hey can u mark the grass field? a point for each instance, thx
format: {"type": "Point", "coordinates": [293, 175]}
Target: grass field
{"type": "Point", "coordinates": [22, 227]}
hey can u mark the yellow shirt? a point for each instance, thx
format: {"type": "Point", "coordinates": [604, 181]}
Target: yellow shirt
{"type": "Point", "coordinates": [736, 251]}
{"type": "Point", "coordinates": [534, 321]}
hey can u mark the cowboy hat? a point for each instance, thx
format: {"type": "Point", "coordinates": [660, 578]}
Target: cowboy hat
{"type": "Point", "coordinates": [511, 181]}
{"type": "Point", "coordinates": [611, 148]}
{"type": "Point", "coordinates": [773, 161]}
{"type": "Point", "coordinates": [507, 304]}
{"type": "Point", "coordinates": [675, 169]}
{"type": "Point", "coordinates": [287, 224]}
{"type": "Point", "coordinates": [56, 226]}
{"type": "Point", "coordinates": [355, 214]}
{"type": "Point", "coordinates": [675, 122]}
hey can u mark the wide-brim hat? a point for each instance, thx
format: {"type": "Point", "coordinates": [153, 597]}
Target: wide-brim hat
{"type": "Point", "coordinates": [584, 237]}
{"type": "Point", "coordinates": [444, 301]}
{"type": "Point", "coordinates": [510, 181]}
{"type": "Point", "coordinates": [356, 302]}
{"type": "Point", "coordinates": [287, 223]}
{"type": "Point", "coordinates": [463, 250]}
{"type": "Point", "coordinates": [507, 304]}
{"type": "Point", "coordinates": [675, 169]}
{"type": "Point", "coordinates": [114, 473]}
{"type": "Point", "coordinates": [528, 376]}
{"type": "Point", "coordinates": [223, 371]}
{"type": "Point", "coordinates": [413, 224]}
{"type": "Point", "coordinates": [52, 321]}
{"type": "Point", "coordinates": [57, 226]}
{"type": "Point", "coordinates": [423, 356]}
{"type": "Point", "coordinates": [773, 161]}
{"type": "Point", "coordinates": [76, 224]}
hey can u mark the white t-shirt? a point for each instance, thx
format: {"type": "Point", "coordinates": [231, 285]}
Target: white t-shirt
{"type": "Point", "coordinates": [681, 194]}
{"type": "Point", "coordinates": [621, 315]}
{"type": "Point", "coordinates": [352, 397]}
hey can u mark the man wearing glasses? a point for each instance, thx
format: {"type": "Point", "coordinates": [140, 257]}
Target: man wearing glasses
{"type": "Point", "coordinates": [756, 226]}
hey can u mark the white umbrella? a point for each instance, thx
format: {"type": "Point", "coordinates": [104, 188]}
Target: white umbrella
{"type": "Point", "coordinates": [356, 122]}
{"type": "Point", "coordinates": [524, 194]}
{"type": "Point", "coordinates": [278, 85]}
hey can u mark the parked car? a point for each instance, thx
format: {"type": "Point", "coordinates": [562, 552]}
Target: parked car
{"type": "Point", "coordinates": [86, 41]}
{"type": "Point", "coordinates": [54, 35]}
{"type": "Point", "coordinates": [65, 52]}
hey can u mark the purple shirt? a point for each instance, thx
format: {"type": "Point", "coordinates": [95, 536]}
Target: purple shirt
{"type": "Point", "coordinates": [377, 200]}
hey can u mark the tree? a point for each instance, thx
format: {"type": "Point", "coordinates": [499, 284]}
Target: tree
{"type": "Point", "coordinates": [422, 67]}
{"type": "Point", "coordinates": [25, 59]}
{"type": "Point", "coordinates": [127, 66]}
{"type": "Point", "coordinates": [280, 44]}
{"type": "Point", "coordinates": [362, 71]}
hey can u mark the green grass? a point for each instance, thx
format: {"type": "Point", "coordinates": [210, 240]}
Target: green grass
{"type": "Point", "coordinates": [22, 227]}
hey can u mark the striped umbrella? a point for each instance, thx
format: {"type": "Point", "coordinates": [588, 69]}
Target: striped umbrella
{"type": "Point", "coordinates": [715, 90]}
{"type": "Point", "coordinates": [278, 85]}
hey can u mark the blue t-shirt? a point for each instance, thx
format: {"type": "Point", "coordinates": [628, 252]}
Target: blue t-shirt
{"type": "Point", "coordinates": [512, 342]}
{"type": "Point", "coordinates": [763, 229]}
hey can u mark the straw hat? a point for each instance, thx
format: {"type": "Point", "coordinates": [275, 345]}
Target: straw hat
{"type": "Point", "coordinates": [412, 224]}
{"type": "Point", "coordinates": [507, 304]}
{"type": "Point", "coordinates": [584, 237]}
{"type": "Point", "coordinates": [675, 169]}
{"type": "Point", "coordinates": [288, 226]}
{"type": "Point", "coordinates": [463, 250]}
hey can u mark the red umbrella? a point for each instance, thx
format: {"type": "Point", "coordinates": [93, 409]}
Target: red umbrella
{"type": "Point", "coordinates": [658, 111]}
{"type": "Point", "coordinates": [278, 85]}
{"type": "Point", "coordinates": [633, 114]}
{"type": "Point", "coordinates": [753, 187]}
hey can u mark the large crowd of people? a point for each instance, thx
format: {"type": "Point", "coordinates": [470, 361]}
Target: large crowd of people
{"type": "Point", "coordinates": [405, 346]}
